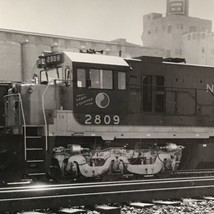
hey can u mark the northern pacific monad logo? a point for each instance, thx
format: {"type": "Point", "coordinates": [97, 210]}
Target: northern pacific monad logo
{"type": "Point", "coordinates": [102, 100]}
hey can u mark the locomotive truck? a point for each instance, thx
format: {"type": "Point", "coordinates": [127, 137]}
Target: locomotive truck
{"type": "Point", "coordinates": [96, 117]}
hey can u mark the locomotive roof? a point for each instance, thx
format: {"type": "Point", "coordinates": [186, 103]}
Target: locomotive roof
{"type": "Point", "coordinates": [189, 64]}
{"type": "Point", "coordinates": [96, 58]}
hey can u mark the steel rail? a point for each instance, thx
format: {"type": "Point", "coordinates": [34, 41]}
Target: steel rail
{"type": "Point", "coordinates": [127, 182]}
{"type": "Point", "coordinates": [110, 192]}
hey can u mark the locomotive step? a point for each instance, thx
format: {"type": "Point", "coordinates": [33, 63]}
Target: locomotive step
{"type": "Point", "coordinates": [34, 131]}
{"type": "Point", "coordinates": [32, 153]}
{"type": "Point", "coordinates": [32, 137]}
{"type": "Point", "coordinates": [35, 143]}
{"type": "Point", "coordinates": [33, 126]}
{"type": "Point", "coordinates": [34, 149]}
{"type": "Point", "coordinates": [35, 161]}
{"type": "Point", "coordinates": [37, 174]}
{"type": "Point", "coordinates": [35, 169]}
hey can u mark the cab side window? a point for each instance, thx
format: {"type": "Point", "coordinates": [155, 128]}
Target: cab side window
{"type": "Point", "coordinates": [81, 78]}
{"type": "Point", "coordinates": [102, 79]}
{"type": "Point", "coordinates": [121, 80]}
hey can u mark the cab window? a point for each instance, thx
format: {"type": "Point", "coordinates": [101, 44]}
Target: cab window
{"type": "Point", "coordinates": [101, 78]}
{"type": "Point", "coordinates": [94, 78]}
{"type": "Point", "coordinates": [121, 80]}
{"type": "Point", "coordinates": [81, 78]}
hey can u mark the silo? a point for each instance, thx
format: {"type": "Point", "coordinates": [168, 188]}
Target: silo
{"type": "Point", "coordinates": [10, 58]}
{"type": "Point", "coordinates": [30, 53]}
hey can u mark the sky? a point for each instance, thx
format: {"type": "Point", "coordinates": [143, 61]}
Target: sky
{"type": "Point", "coordinates": [90, 19]}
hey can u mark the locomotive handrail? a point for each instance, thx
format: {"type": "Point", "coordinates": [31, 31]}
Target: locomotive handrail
{"type": "Point", "coordinates": [43, 111]}
{"type": "Point", "coordinates": [168, 87]}
{"type": "Point", "coordinates": [45, 120]}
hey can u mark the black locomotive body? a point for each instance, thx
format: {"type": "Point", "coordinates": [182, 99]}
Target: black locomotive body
{"type": "Point", "coordinates": [171, 94]}
{"type": "Point", "coordinates": [87, 116]}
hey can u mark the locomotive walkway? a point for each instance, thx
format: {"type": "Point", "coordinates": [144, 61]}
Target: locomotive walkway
{"type": "Point", "coordinates": [39, 196]}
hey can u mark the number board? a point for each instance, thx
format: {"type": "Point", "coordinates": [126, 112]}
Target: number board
{"type": "Point", "coordinates": [50, 60]}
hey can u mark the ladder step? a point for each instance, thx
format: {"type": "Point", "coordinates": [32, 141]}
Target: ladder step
{"type": "Point", "coordinates": [33, 126]}
{"type": "Point", "coordinates": [33, 137]}
{"type": "Point", "coordinates": [36, 174]}
{"type": "Point", "coordinates": [35, 161]}
{"type": "Point", "coordinates": [34, 149]}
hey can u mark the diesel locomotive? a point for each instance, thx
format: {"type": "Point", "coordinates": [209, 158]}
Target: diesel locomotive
{"type": "Point", "coordinates": [97, 117]}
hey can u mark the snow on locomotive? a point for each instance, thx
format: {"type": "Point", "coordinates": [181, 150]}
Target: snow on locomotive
{"type": "Point", "coordinates": [88, 116]}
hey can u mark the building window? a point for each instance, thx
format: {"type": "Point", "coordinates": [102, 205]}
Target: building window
{"type": "Point", "coordinates": [203, 35]}
{"type": "Point", "coordinates": [167, 53]}
{"type": "Point", "coordinates": [178, 51]}
{"type": "Point", "coordinates": [149, 32]}
{"type": "Point", "coordinates": [164, 27]}
{"type": "Point", "coordinates": [203, 50]}
{"type": "Point", "coordinates": [189, 37]}
{"type": "Point", "coordinates": [179, 26]}
{"type": "Point", "coordinates": [192, 29]}
{"type": "Point", "coordinates": [169, 29]}
{"type": "Point", "coordinates": [194, 36]}
{"type": "Point", "coordinates": [156, 29]}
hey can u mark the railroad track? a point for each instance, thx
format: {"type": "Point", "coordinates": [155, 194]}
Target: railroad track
{"type": "Point", "coordinates": [39, 196]}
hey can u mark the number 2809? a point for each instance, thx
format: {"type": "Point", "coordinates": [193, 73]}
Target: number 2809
{"type": "Point", "coordinates": [106, 119]}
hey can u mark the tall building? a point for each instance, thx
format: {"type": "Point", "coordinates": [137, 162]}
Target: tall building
{"type": "Point", "coordinates": [166, 32]}
{"type": "Point", "coordinates": [198, 48]}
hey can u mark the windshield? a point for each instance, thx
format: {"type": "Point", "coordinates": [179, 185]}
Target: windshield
{"type": "Point", "coordinates": [48, 76]}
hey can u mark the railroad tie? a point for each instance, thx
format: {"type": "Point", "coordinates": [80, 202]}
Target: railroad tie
{"type": "Point", "coordinates": [140, 205]}
{"type": "Point", "coordinates": [172, 203]}
{"type": "Point", "coordinates": [72, 211]}
{"type": "Point", "coordinates": [108, 209]}
{"type": "Point", "coordinates": [31, 212]}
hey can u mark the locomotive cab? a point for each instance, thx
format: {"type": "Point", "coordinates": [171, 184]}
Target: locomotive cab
{"type": "Point", "coordinates": [92, 92]}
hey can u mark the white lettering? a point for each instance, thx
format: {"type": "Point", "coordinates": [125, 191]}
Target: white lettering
{"type": "Point", "coordinates": [210, 88]}
{"type": "Point", "coordinates": [97, 119]}
{"type": "Point", "coordinates": [88, 119]}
